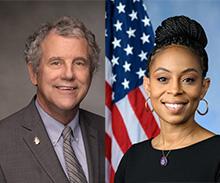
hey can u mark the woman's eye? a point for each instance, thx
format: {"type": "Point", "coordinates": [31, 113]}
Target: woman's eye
{"type": "Point", "coordinates": [189, 80]}
{"type": "Point", "coordinates": [162, 79]}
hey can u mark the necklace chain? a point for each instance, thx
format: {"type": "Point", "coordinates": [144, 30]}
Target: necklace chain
{"type": "Point", "coordinates": [166, 155]}
{"type": "Point", "coordinates": [164, 158]}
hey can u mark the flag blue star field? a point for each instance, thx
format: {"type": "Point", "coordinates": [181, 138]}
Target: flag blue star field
{"type": "Point", "coordinates": [129, 40]}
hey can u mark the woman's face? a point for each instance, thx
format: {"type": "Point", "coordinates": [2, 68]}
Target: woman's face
{"type": "Point", "coordinates": [175, 84]}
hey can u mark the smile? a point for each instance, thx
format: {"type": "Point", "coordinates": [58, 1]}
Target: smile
{"type": "Point", "coordinates": [65, 87]}
{"type": "Point", "coordinates": [175, 107]}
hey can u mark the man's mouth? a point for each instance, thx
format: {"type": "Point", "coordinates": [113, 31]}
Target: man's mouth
{"type": "Point", "coordinates": [66, 87]}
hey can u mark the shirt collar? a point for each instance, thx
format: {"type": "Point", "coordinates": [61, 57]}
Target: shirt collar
{"type": "Point", "coordinates": [55, 128]}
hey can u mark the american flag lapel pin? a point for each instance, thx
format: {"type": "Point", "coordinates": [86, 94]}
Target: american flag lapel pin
{"type": "Point", "coordinates": [36, 140]}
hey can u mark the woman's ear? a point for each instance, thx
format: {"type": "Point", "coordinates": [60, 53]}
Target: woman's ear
{"type": "Point", "coordinates": [146, 83]}
{"type": "Point", "coordinates": [205, 86]}
{"type": "Point", "coordinates": [32, 74]}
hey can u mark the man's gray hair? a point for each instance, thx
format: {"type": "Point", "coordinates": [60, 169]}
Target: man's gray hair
{"type": "Point", "coordinates": [64, 26]}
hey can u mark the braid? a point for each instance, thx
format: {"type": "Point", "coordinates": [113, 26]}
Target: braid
{"type": "Point", "coordinates": [181, 30]}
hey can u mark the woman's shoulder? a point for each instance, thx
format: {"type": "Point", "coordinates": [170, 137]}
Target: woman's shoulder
{"type": "Point", "coordinates": [212, 142]}
{"type": "Point", "coordinates": [140, 146]}
{"type": "Point", "coordinates": [215, 139]}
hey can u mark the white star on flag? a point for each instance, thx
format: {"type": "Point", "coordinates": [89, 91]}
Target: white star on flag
{"type": "Point", "coordinates": [133, 15]}
{"type": "Point", "coordinates": [125, 83]}
{"type": "Point", "coordinates": [121, 8]}
{"type": "Point", "coordinates": [146, 21]}
{"type": "Point", "coordinates": [140, 73]}
{"type": "Point", "coordinates": [130, 32]}
{"type": "Point", "coordinates": [118, 25]}
{"type": "Point", "coordinates": [145, 38]}
{"type": "Point", "coordinates": [113, 78]}
{"type": "Point", "coordinates": [129, 49]}
{"type": "Point", "coordinates": [143, 55]}
{"type": "Point", "coordinates": [127, 66]}
{"type": "Point", "coordinates": [116, 42]}
{"type": "Point", "coordinates": [115, 60]}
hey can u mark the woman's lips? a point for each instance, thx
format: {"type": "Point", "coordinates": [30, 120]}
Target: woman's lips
{"type": "Point", "coordinates": [175, 107]}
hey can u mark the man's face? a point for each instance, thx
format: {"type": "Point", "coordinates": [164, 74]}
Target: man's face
{"type": "Point", "coordinates": [64, 76]}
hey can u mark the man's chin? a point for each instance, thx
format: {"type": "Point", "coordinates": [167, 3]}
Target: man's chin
{"type": "Point", "coordinates": [67, 108]}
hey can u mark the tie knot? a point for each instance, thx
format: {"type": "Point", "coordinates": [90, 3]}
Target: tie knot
{"type": "Point", "coordinates": [67, 132]}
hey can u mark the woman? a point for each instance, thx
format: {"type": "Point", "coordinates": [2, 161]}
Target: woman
{"type": "Point", "coordinates": [175, 83]}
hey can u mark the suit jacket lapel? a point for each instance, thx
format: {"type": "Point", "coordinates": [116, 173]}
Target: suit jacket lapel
{"type": "Point", "coordinates": [43, 151]}
{"type": "Point", "coordinates": [90, 138]}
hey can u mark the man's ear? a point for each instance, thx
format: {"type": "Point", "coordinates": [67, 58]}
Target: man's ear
{"type": "Point", "coordinates": [146, 83]}
{"type": "Point", "coordinates": [32, 74]}
{"type": "Point", "coordinates": [205, 86]}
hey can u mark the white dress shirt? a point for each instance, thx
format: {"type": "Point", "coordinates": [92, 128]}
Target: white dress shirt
{"type": "Point", "coordinates": [55, 128]}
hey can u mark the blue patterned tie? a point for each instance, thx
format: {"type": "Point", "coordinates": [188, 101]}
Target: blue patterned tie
{"type": "Point", "coordinates": [74, 169]}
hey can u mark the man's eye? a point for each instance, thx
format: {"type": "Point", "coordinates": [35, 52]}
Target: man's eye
{"type": "Point", "coordinates": [80, 63]}
{"type": "Point", "coordinates": [162, 79]}
{"type": "Point", "coordinates": [55, 62]}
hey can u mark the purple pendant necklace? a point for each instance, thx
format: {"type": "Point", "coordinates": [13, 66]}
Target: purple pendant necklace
{"type": "Point", "coordinates": [164, 158]}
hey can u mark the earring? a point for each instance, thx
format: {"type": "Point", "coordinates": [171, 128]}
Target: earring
{"type": "Point", "coordinates": [207, 108]}
{"type": "Point", "coordinates": [147, 106]}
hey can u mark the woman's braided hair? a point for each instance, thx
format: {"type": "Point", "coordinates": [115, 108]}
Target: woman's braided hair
{"type": "Point", "coordinates": [181, 30]}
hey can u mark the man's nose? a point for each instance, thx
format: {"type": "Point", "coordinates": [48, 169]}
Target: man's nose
{"type": "Point", "coordinates": [68, 72]}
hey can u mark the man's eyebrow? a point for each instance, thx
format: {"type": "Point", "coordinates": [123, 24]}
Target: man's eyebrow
{"type": "Point", "coordinates": [55, 58]}
{"type": "Point", "coordinates": [81, 58]}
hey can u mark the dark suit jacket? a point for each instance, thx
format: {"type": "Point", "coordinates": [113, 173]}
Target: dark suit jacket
{"type": "Point", "coordinates": [24, 161]}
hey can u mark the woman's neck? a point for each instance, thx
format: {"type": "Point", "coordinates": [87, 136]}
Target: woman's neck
{"type": "Point", "coordinates": [176, 136]}
{"type": "Point", "coordinates": [179, 136]}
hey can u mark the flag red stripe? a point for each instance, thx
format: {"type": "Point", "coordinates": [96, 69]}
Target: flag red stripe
{"type": "Point", "coordinates": [108, 147]}
{"type": "Point", "coordinates": [145, 116]}
{"type": "Point", "coordinates": [108, 95]}
{"type": "Point", "coordinates": [112, 175]}
{"type": "Point", "coordinates": [119, 130]}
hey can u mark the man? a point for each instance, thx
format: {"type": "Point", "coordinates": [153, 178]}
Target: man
{"type": "Point", "coordinates": [52, 139]}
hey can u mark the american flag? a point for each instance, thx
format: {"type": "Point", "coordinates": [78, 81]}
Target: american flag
{"type": "Point", "coordinates": [129, 39]}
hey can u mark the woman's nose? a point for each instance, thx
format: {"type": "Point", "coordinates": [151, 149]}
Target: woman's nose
{"type": "Point", "coordinates": [175, 88]}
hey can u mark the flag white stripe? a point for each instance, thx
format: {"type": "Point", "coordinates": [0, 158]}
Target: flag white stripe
{"type": "Point", "coordinates": [116, 157]}
{"type": "Point", "coordinates": [134, 129]}
{"type": "Point", "coordinates": [108, 119]}
{"type": "Point", "coordinates": [108, 71]}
